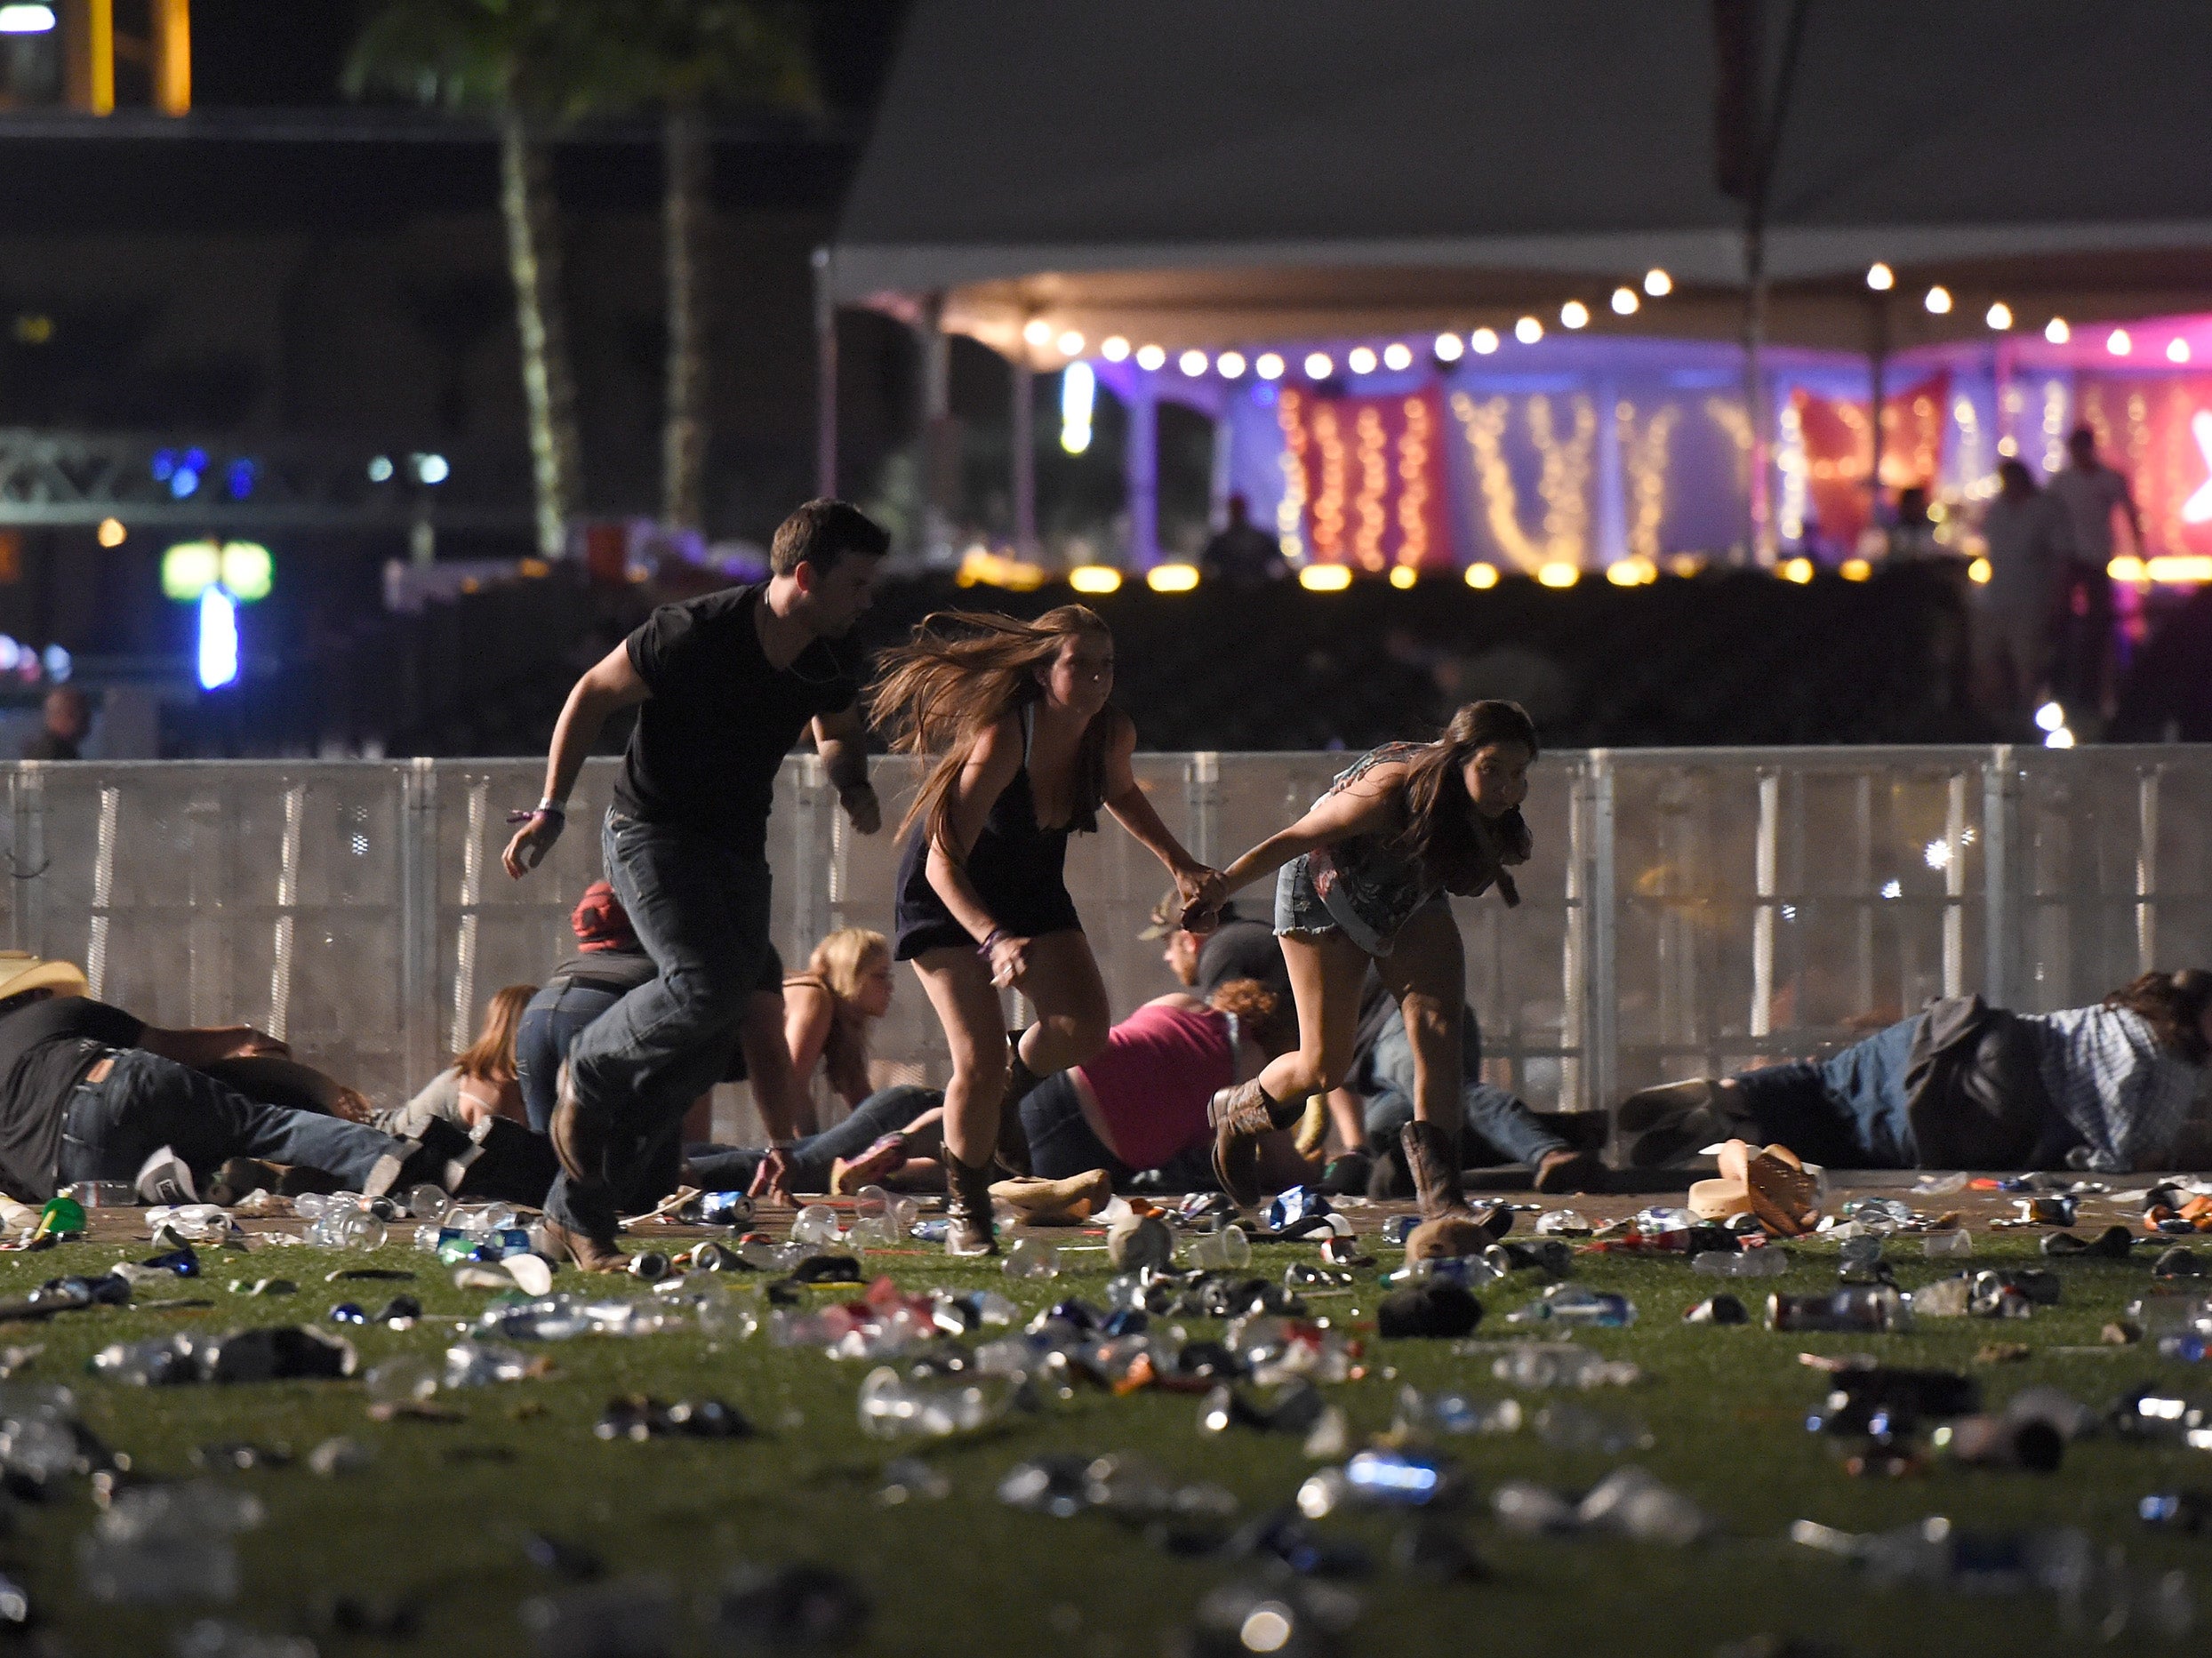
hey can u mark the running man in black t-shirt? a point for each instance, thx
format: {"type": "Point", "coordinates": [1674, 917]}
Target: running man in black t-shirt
{"type": "Point", "coordinates": [727, 684]}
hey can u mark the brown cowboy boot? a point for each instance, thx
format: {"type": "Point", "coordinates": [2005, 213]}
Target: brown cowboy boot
{"type": "Point", "coordinates": [1238, 1116]}
{"type": "Point", "coordinates": [1448, 1227]}
{"type": "Point", "coordinates": [1012, 1155]}
{"type": "Point", "coordinates": [967, 1204]}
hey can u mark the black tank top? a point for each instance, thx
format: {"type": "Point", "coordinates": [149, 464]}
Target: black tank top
{"type": "Point", "coordinates": [1017, 867]}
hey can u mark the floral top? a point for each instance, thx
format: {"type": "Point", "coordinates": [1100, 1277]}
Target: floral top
{"type": "Point", "coordinates": [1370, 887]}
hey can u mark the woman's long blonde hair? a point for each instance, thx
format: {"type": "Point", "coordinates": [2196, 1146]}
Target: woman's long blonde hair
{"type": "Point", "coordinates": [961, 674]}
{"type": "Point", "coordinates": [837, 961]}
{"type": "Point", "coordinates": [491, 1057]}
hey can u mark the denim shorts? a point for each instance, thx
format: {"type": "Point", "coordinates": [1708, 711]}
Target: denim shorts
{"type": "Point", "coordinates": [1302, 912]}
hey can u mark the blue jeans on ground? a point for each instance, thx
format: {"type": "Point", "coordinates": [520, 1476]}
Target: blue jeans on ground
{"type": "Point", "coordinates": [146, 1102]}
{"type": "Point", "coordinates": [1847, 1112]}
{"type": "Point", "coordinates": [1493, 1114]}
{"type": "Point", "coordinates": [1061, 1142]}
{"type": "Point", "coordinates": [702, 913]}
{"type": "Point", "coordinates": [549, 1025]}
{"type": "Point", "coordinates": [885, 1111]}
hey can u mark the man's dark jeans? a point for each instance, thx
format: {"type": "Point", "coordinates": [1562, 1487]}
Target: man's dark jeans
{"type": "Point", "coordinates": [146, 1102]}
{"type": "Point", "coordinates": [549, 1026]}
{"type": "Point", "coordinates": [1495, 1114]}
{"type": "Point", "coordinates": [702, 913]}
{"type": "Point", "coordinates": [1846, 1112]}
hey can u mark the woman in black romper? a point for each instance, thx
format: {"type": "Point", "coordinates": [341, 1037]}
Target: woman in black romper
{"type": "Point", "coordinates": [1029, 748]}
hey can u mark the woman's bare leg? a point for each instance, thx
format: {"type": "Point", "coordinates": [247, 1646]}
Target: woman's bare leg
{"type": "Point", "coordinates": [1325, 973]}
{"type": "Point", "coordinates": [1427, 973]}
{"type": "Point", "coordinates": [1063, 985]}
{"type": "Point", "coordinates": [958, 983]}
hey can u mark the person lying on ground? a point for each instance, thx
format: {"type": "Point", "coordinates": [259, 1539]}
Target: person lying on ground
{"type": "Point", "coordinates": [828, 1010]}
{"type": "Point", "coordinates": [1238, 947]}
{"type": "Point", "coordinates": [482, 1080]}
{"type": "Point", "coordinates": [892, 1138]}
{"type": "Point", "coordinates": [90, 1093]}
{"type": "Point", "coordinates": [1138, 1104]}
{"type": "Point", "coordinates": [1499, 1126]}
{"type": "Point", "coordinates": [1964, 1085]}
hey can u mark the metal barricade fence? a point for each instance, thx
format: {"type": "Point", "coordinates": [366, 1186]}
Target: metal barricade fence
{"type": "Point", "coordinates": [1686, 911]}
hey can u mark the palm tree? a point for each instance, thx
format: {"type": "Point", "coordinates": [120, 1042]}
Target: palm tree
{"type": "Point", "coordinates": [682, 59]}
{"type": "Point", "coordinates": [509, 59]}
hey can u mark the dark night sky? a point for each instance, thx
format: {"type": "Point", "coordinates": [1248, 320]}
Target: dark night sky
{"type": "Point", "coordinates": [252, 54]}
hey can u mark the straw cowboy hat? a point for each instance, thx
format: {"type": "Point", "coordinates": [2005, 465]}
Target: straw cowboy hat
{"type": "Point", "coordinates": [21, 970]}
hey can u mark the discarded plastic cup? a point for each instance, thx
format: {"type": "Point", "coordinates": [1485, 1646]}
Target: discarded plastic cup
{"type": "Point", "coordinates": [1226, 1250]}
{"type": "Point", "coordinates": [1769, 1263]}
{"type": "Point", "coordinates": [895, 1407]}
{"type": "Point", "coordinates": [816, 1224]}
{"type": "Point", "coordinates": [1571, 1427]}
{"type": "Point", "coordinates": [1955, 1241]}
{"type": "Point", "coordinates": [427, 1202]}
{"type": "Point", "coordinates": [402, 1379]}
{"type": "Point", "coordinates": [1563, 1223]}
{"type": "Point", "coordinates": [1032, 1257]}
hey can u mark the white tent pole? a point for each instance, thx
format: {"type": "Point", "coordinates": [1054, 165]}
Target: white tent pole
{"type": "Point", "coordinates": [1878, 364]}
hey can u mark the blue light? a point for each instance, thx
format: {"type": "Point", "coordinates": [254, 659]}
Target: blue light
{"type": "Point", "coordinates": [219, 639]}
{"type": "Point", "coordinates": [240, 477]}
{"type": "Point", "coordinates": [165, 463]}
{"type": "Point", "coordinates": [26, 19]}
{"type": "Point", "coordinates": [183, 482]}
{"type": "Point", "coordinates": [60, 664]}
{"type": "Point", "coordinates": [196, 459]}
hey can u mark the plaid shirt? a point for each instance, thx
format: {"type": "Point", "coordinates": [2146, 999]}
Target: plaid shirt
{"type": "Point", "coordinates": [2124, 1091]}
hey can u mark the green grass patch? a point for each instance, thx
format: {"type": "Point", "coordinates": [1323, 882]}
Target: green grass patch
{"type": "Point", "coordinates": [438, 1518]}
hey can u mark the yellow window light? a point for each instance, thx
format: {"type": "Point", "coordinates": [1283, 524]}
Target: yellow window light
{"type": "Point", "coordinates": [1094, 579]}
{"type": "Point", "coordinates": [1404, 575]}
{"type": "Point", "coordinates": [2183, 568]}
{"type": "Point", "coordinates": [1881, 277]}
{"type": "Point", "coordinates": [1978, 572]}
{"type": "Point", "coordinates": [1558, 574]}
{"type": "Point", "coordinates": [1325, 578]}
{"type": "Point", "coordinates": [2127, 567]}
{"type": "Point", "coordinates": [1796, 570]}
{"type": "Point", "coordinates": [1482, 575]}
{"type": "Point", "coordinates": [188, 569]}
{"type": "Point", "coordinates": [112, 532]}
{"type": "Point", "coordinates": [982, 567]}
{"type": "Point", "coordinates": [248, 572]}
{"type": "Point", "coordinates": [1171, 577]}
{"type": "Point", "coordinates": [1687, 564]}
{"type": "Point", "coordinates": [1854, 570]}
{"type": "Point", "coordinates": [1658, 283]}
{"type": "Point", "coordinates": [1625, 573]}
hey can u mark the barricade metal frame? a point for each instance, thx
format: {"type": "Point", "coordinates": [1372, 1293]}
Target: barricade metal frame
{"type": "Point", "coordinates": [1687, 911]}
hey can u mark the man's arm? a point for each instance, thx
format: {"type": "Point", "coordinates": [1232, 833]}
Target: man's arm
{"type": "Point", "coordinates": [841, 739]}
{"type": "Point", "coordinates": [2135, 517]}
{"type": "Point", "coordinates": [612, 683]}
{"type": "Point", "coordinates": [206, 1043]}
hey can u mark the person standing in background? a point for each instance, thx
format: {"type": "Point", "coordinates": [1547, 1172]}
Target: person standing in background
{"type": "Point", "coordinates": [2029, 540]}
{"type": "Point", "coordinates": [68, 716]}
{"type": "Point", "coordinates": [2089, 490]}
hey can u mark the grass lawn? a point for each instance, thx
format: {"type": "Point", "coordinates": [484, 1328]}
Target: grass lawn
{"type": "Point", "coordinates": [438, 1518]}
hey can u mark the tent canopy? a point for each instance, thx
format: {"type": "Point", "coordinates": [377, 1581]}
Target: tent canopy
{"type": "Point", "coordinates": [1220, 171]}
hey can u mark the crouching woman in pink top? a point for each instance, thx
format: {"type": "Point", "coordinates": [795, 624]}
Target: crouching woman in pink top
{"type": "Point", "coordinates": [1140, 1103]}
